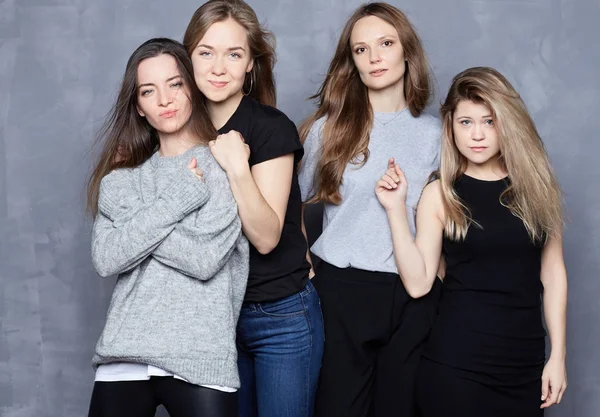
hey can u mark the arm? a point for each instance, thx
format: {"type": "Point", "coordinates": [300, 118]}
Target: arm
{"type": "Point", "coordinates": [201, 245]}
{"type": "Point", "coordinates": [554, 280]}
{"type": "Point", "coordinates": [418, 259]}
{"type": "Point", "coordinates": [124, 235]}
{"type": "Point", "coordinates": [311, 274]}
{"type": "Point", "coordinates": [262, 195]}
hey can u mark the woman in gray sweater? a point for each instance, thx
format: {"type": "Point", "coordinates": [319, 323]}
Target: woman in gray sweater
{"type": "Point", "coordinates": [166, 223]}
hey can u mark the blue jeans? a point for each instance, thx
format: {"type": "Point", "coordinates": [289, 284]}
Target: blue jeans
{"type": "Point", "coordinates": [280, 346]}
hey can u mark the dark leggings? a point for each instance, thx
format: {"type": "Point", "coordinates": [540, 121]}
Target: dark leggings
{"type": "Point", "coordinates": [140, 399]}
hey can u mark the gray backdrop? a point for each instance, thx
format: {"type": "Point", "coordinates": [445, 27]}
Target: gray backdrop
{"type": "Point", "coordinates": [60, 65]}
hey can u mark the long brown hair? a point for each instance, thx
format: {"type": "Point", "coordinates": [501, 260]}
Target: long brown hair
{"type": "Point", "coordinates": [127, 139]}
{"type": "Point", "coordinates": [343, 100]}
{"type": "Point", "coordinates": [260, 81]}
{"type": "Point", "coordinates": [533, 193]}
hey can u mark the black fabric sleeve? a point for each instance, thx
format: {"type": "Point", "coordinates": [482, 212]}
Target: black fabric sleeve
{"type": "Point", "coordinates": [275, 137]}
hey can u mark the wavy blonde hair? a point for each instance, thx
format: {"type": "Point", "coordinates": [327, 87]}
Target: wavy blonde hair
{"type": "Point", "coordinates": [533, 194]}
{"type": "Point", "coordinates": [344, 101]}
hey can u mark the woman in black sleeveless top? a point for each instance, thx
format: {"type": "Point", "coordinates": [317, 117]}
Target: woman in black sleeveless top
{"type": "Point", "coordinates": [495, 214]}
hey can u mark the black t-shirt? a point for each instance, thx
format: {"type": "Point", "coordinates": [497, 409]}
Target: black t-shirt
{"type": "Point", "coordinates": [270, 134]}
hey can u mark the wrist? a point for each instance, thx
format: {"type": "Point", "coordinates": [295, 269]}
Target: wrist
{"type": "Point", "coordinates": [400, 209]}
{"type": "Point", "coordinates": [558, 354]}
{"type": "Point", "coordinates": [238, 171]}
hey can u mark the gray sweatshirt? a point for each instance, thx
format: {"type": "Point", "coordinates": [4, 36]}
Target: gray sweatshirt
{"type": "Point", "coordinates": [175, 242]}
{"type": "Point", "coordinates": [356, 233]}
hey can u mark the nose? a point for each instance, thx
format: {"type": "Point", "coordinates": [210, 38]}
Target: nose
{"type": "Point", "coordinates": [164, 98]}
{"type": "Point", "coordinates": [477, 132]}
{"type": "Point", "coordinates": [374, 57]}
{"type": "Point", "coordinates": [218, 68]}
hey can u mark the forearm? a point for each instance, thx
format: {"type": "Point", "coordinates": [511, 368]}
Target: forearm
{"type": "Point", "coordinates": [409, 259]}
{"type": "Point", "coordinates": [308, 258]}
{"type": "Point", "coordinates": [555, 313]}
{"type": "Point", "coordinates": [200, 251]}
{"type": "Point", "coordinates": [260, 223]}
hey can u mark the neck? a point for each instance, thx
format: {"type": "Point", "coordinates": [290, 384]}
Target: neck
{"type": "Point", "coordinates": [390, 99]}
{"type": "Point", "coordinates": [175, 144]}
{"type": "Point", "coordinates": [489, 171]}
{"type": "Point", "coordinates": [221, 112]}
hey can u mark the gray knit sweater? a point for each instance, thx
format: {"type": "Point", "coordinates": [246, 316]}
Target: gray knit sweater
{"type": "Point", "coordinates": [175, 242]}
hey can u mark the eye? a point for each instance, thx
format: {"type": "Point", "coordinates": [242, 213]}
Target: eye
{"type": "Point", "coordinates": [360, 50]}
{"type": "Point", "coordinates": [489, 122]}
{"type": "Point", "coordinates": [235, 55]}
{"type": "Point", "coordinates": [465, 122]}
{"type": "Point", "coordinates": [387, 43]}
{"type": "Point", "coordinates": [145, 93]}
{"type": "Point", "coordinates": [204, 53]}
{"type": "Point", "coordinates": [176, 84]}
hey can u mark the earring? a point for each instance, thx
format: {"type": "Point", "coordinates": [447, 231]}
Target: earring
{"type": "Point", "coordinates": [251, 84]}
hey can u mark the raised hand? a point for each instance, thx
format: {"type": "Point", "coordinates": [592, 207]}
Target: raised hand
{"type": "Point", "coordinates": [391, 189]}
{"type": "Point", "coordinates": [193, 166]}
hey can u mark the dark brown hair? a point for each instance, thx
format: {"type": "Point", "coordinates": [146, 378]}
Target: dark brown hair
{"type": "Point", "coordinates": [260, 81]}
{"type": "Point", "coordinates": [343, 100]}
{"type": "Point", "coordinates": [127, 139]}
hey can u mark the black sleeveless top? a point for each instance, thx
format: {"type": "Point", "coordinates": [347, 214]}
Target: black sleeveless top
{"type": "Point", "coordinates": [489, 319]}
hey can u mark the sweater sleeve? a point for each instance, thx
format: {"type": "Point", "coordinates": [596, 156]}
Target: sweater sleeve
{"type": "Point", "coordinates": [125, 233]}
{"type": "Point", "coordinates": [201, 246]}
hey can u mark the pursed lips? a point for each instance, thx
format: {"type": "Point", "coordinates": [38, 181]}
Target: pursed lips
{"type": "Point", "coordinates": [167, 114]}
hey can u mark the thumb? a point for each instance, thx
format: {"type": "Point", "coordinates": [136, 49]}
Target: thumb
{"type": "Point", "coordinates": [391, 163]}
{"type": "Point", "coordinates": [192, 163]}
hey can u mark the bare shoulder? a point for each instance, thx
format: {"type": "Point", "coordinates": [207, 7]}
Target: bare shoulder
{"type": "Point", "coordinates": [431, 200]}
{"type": "Point", "coordinates": [432, 193]}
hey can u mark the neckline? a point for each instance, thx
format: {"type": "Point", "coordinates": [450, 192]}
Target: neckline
{"type": "Point", "coordinates": [169, 161]}
{"type": "Point", "coordinates": [384, 118]}
{"type": "Point", "coordinates": [503, 179]}
{"type": "Point", "coordinates": [243, 104]}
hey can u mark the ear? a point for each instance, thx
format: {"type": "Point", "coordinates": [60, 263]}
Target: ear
{"type": "Point", "coordinates": [140, 112]}
{"type": "Point", "coordinates": [250, 65]}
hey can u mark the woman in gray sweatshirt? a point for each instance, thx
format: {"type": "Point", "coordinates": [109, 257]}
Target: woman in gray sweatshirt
{"type": "Point", "coordinates": [166, 223]}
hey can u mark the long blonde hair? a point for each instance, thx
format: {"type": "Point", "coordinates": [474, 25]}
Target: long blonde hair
{"type": "Point", "coordinates": [260, 81]}
{"type": "Point", "coordinates": [533, 193]}
{"type": "Point", "coordinates": [343, 99]}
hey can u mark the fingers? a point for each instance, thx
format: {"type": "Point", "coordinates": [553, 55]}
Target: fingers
{"type": "Point", "coordinates": [551, 394]}
{"type": "Point", "coordinates": [193, 163]}
{"type": "Point", "coordinates": [399, 172]}
{"type": "Point", "coordinates": [391, 163]}
{"type": "Point", "coordinates": [545, 388]}
{"type": "Point", "coordinates": [211, 143]}
{"type": "Point", "coordinates": [382, 185]}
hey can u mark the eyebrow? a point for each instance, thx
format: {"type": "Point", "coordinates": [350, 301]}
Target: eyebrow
{"type": "Point", "coordinates": [469, 117]}
{"type": "Point", "coordinates": [150, 84]}
{"type": "Point", "coordinates": [234, 48]}
{"type": "Point", "coordinates": [379, 38]}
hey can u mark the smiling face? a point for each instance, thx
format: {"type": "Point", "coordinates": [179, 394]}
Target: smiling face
{"type": "Point", "coordinates": [162, 97]}
{"type": "Point", "coordinates": [475, 134]}
{"type": "Point", "coordinates": [221, 60]}
{"type": "Point", "coordinates": [377, 53]}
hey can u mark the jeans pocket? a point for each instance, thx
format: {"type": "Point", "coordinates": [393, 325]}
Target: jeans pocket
{"type": "Point", "coordinates": [291, 306]}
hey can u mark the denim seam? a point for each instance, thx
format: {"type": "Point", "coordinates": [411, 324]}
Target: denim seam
{"type": "Point", "coordinates": [310, 355]}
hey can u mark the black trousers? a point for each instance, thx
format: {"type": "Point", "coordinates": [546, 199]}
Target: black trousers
{"type": "Point", "coordinates": [140, 399]}
{"type": "Point", "coordinates": [374, 334]}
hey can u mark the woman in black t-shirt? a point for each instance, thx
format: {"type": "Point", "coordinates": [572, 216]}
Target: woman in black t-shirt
{"type": "Point", "coordinates": [280, 329]}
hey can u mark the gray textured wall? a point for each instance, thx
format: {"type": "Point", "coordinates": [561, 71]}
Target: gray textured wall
{"type": "Point", "coordinates": [60, 65]}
